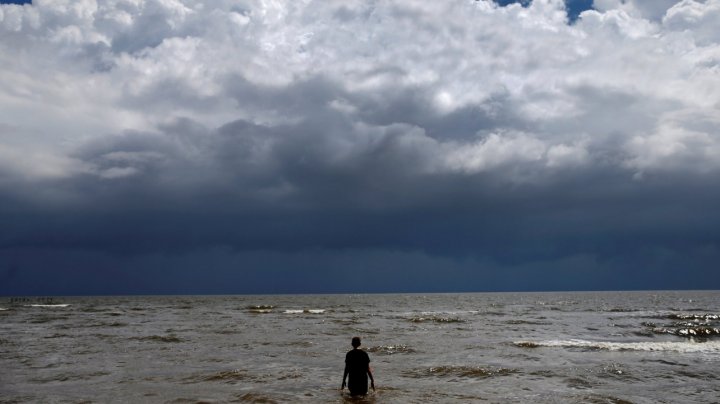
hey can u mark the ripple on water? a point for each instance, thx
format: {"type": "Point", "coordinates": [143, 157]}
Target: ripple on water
{"type": "Point", "coordinates": [526, 322]}
{"type": "Point", "coordinates": [364, 331]}
{"type": "Point", "coordinates": [615, 371]}
{"type": "Point", "coordinates": [235, 376]}
{"type": "Point", "coordinates": [391, 349]}
{"type": "Point", "coordinates": [435, 319]}
{"type": "Point", "coordinates": [158, 338]}
{"type": "Point", "coordinates": [65, 377]}
{"type": "Point", "coordinates": [578, 383]}
{"type": "Point", "coordinates": [183, 400]}
{"type": "Point", "coordinates": [460, 371]}
{"type": "Point", "coordinates": [227, 331]}
{"type": "Point", "coordinates": [544, 373]}
{"type": "Point", "coordinates": [42, 319]}
{"type": "Point", "coordinates": [114, 314]}
{"type": "Point", "coordinates": [601, 399]}
{"type": "Point", "coordinates": [700, 375]}
{"type": "Point", "coordinates": [112, 324]}
{"type": "Point", "coordinates": [226, 376]}
{"type": "Point", "coordinates": [57, 335]}
{"type": "Point", "coordinates": [256, 398]}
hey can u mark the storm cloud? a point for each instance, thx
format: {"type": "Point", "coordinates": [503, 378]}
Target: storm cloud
{"type": "Point", "coordinates": [166, 146]}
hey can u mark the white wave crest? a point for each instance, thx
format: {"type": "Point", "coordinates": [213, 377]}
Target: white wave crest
{"type": "Point", "coordinates": [49, 305]}
{"type": "Point", "coordinates": [304, 311]}
{"type": "Point", "coordinates": [447, 312]}
{"type": "Point", "coordinates": [665, 346]}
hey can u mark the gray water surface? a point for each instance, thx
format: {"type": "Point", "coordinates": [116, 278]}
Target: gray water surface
{"type": "Point", "coordinates": [611, 347]}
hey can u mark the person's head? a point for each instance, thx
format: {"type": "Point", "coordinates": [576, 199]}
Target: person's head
{"type": "Point", "coordinates": [355, 342]}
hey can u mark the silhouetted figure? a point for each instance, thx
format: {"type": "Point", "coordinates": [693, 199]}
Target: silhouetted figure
{"type": "Point", "coordinates": [357, 365]}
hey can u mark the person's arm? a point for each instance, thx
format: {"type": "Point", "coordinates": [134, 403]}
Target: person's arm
{"type": "Point", "coordinates": [345, 373]}
{"type": "Point", "coordinates": [372, 381]}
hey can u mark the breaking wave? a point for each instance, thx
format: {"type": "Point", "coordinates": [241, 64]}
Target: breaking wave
{"type": "Point", "coordinates": [304, 311]}
{"type": "Point", "coordinates": [49, 305]}
{"type": "Point", "coordinates": [701, 326]}
{"type": "Point", "coordinates": [690, 331]}
{"type": "Point", "coordinates": [696, 317]}
{"type": "Point", "coordinates": [666, 346]}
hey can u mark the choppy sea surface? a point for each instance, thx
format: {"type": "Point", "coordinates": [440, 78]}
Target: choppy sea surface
{"type": "Point", "coordinates": [589, 347]}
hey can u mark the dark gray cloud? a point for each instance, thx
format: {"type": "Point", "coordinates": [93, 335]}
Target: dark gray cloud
{"type": "Point", "coordinates": [361, 147]}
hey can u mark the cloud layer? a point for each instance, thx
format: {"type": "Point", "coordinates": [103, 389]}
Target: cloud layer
{"type": "Point", "coordinates": [464, 133]}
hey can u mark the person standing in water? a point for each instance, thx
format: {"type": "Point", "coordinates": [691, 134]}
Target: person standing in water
{"type": "Point", "coordinates": [357, 366]}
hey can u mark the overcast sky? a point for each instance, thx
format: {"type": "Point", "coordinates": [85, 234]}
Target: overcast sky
{"type": "Point", "coordinates": [168, 146]}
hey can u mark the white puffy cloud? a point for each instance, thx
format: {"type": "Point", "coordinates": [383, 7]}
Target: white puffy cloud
{"type": "Point", "coordinates": [698, 19]}
{"type": "Point", "coordinates": [648, 9]}
{"type": "Point", "coordinates": [683, 140]}
{"type": "Point", "coordinates": [457, 87]}
{"type": "Point", "coordinates": [494, 151]}
{"type": "Point", "coordinates": [37, 164]}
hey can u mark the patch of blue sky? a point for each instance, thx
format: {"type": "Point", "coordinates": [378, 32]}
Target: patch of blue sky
{"type": "Point", "coordinates": [574, 7]}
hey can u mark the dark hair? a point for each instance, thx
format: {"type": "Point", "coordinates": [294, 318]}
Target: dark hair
{"type": "Point", "coordinates": [356, 342]}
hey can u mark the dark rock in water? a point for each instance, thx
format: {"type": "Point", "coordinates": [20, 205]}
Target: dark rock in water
{"type": "Point", "coordinates": [260, 309]}
{"type": "Point", "coordinates": [526, 344]}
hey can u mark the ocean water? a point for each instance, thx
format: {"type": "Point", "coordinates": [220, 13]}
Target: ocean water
{"type": "Point", "coordinates": [611, 347]}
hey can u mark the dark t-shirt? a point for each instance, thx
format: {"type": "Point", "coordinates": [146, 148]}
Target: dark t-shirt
{"type": "Point", "coordinates": [357, 363]}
